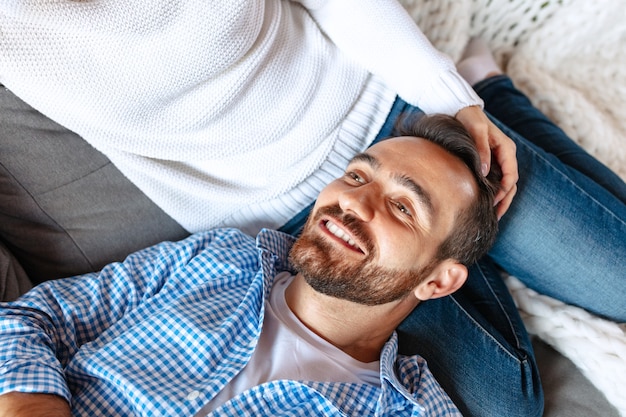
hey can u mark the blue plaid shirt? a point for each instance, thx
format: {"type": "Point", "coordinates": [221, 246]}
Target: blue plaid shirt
{"type": "Point", "coordinates": [164, 331]}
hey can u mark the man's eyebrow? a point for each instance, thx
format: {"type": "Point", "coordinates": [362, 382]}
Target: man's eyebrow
{"type": "Point", "coordinates": [367, 158]}
{"type": "Point", "coordinates": [405, 181]}
{"type": "Point", "coordinates": [418, 191]}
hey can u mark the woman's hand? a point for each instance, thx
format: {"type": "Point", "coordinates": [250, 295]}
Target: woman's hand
{"type": "Point", "coordinates": [492, 141]}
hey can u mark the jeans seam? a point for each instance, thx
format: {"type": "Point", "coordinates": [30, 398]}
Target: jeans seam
{"type": "Point", "coordinates": [487, 333]}
{"type": "Point", "coordinates": [503, 310]}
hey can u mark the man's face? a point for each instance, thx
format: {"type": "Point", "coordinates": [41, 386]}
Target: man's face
{"type": "Point", "coordinates": [373, 232]}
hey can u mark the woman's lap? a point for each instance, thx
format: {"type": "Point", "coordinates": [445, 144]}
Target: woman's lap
{"type": "Point", "coordinates": [564, 234]}
{"type": "Point", "coordinates": [476, 345]}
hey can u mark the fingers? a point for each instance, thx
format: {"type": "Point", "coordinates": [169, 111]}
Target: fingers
{"type": "Point", "coordinates": [504, 152]}
{"type": "Point", "coordinates": [477, 125]}
{"type": "Point", "coordinates": [493, 144]}
{"type": "Point", "coordinates": [484, 150]}
{"type": "Point", "coordinates": [505, 202]}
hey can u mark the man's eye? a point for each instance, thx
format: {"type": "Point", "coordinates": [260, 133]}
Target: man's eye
{"type": "Point", "coordinates": [355, 177]}
{"type": "Point", "coordinates": [402, 208]}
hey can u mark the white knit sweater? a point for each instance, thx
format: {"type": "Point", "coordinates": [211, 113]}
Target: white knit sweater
{"type": "Point", "coordinates": [229, 112]}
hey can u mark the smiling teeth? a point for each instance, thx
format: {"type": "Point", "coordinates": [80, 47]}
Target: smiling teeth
{"type": "Point", "coordinates": [332, 227]}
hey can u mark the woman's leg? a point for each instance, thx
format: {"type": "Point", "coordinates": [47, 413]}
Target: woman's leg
{"type": "Point", "coordinates": [477, 347]}
{"type": "Point", "coordinates": [511, 107]}
{"type": "Point", "coordinates": [474, 340]}
{"type": "Point", "coordinates": [565, 233]}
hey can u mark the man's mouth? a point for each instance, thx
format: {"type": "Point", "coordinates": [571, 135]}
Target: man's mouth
{"type": "Point", "coordinates": [342, 235]}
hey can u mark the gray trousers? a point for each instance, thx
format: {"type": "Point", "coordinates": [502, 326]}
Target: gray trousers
{"type": "Point", "coordinates": [64, 208]}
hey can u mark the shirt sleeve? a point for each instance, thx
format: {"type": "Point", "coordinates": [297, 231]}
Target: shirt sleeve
{"type": "Point", "coordinates": [42, 331]}
{"type": "Point", "coordinates": [382, 37]}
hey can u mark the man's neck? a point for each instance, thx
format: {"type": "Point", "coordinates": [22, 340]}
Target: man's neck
{"type": "Point", "coordinates": [359, 330]}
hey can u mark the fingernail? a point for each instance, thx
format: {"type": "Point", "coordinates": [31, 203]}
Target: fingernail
{"type": "Point", "coordinates": [485, 169]}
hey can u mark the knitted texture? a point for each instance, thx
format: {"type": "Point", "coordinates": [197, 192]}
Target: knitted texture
{"type": "Point", "coordinates": [235, 114]}
{"type": "Point", "coordinates": [568, 56]}
{"type": "Point", "coordinates": [597, 346]}
{"type": "Point", "coordinates": [180, 122]}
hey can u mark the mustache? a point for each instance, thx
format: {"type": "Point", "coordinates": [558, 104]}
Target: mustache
{"type": "Point", "coordinates": [350, 222]}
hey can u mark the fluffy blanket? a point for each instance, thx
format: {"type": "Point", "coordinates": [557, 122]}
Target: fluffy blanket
{"type": "Point", "coordinates": [569, 57]}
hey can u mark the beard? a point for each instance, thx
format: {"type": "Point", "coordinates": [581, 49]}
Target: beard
{"type": "Point", "coordinates": [328, 272]}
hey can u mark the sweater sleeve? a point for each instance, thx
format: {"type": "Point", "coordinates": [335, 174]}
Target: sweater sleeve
{"type": "Point", "coordinates": [382, 37]}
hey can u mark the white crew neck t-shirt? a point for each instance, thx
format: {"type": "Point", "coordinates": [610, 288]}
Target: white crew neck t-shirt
{"type": "Point", "coordinates": [287, 349]}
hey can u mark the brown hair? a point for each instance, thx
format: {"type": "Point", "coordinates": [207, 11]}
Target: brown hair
{"type": "Point", "coordinates": [476, 226]}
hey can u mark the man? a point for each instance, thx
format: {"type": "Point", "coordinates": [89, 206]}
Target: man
{"type": "Point", "coordinates": [213, 323]}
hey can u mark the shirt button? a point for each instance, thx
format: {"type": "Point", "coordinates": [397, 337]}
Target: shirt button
{"type": "Point", "coordinates": [193, 395]}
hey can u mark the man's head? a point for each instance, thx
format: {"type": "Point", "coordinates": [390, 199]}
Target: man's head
{"type": "Point", "coordinates": [408, 216]}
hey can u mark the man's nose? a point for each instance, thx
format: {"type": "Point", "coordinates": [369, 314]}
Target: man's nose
{"type": "Point", "coordinates": [360, 201]}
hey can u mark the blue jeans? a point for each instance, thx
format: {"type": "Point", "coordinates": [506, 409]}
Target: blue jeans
{"type": "Point", "coordinates": [564, 235]}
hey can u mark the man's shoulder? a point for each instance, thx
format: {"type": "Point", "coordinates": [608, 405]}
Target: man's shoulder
{"type": "Point", "coordinates": [274, 241]}
{"type": "Point", "coordinates": [267, 239]}
{"type": "Point", "coordinates": [231, 240]}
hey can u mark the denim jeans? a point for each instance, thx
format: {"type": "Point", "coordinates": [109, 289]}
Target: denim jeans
{"type": "Point", "coordinates": [564, 235]}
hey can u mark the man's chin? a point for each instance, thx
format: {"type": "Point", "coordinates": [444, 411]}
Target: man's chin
{"type": "Point", "coordinates": [307, 254]}
{"type": "Point", "coordinates": [326, 271]}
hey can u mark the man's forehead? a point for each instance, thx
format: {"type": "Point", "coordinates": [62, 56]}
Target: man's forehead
{"type": "Point", "coordinates": [402, 149]}
{"type": "Point", "coordinates": [424, 161]}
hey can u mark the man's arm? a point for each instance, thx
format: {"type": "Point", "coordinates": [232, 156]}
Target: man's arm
{"type": "Point", "coordinates": [16, 404]}
{"type": "Point", "coordinates": [41, 332]}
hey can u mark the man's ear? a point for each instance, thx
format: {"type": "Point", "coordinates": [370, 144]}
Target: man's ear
{"type": "Point", "coordinates": [446, 278]}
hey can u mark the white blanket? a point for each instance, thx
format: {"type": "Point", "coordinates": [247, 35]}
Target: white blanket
{"type": "Point", "coordinates": [569, 57]}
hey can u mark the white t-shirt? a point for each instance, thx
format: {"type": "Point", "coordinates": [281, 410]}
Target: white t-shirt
{"type": "Point", "coordinates": [287, 349]}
